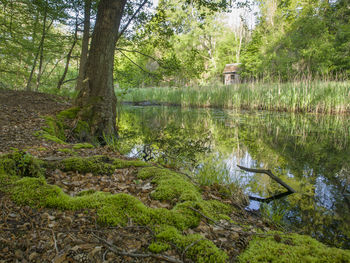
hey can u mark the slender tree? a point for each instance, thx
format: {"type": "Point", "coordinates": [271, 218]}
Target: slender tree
{"type": "Point", "coordinates": [85, 44]}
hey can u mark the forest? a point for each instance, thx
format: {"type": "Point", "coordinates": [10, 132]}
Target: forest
{"type": "Point", "coordinates": [41, 43]}
{"type": "Point", "coordinates": [121, 140]}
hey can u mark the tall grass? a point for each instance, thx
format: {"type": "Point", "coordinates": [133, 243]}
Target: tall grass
{"type": "Point", "coordinates": [301, 96]}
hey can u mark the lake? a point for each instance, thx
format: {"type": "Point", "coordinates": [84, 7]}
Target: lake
{"type": "Point", "coordinates": [311, 153]}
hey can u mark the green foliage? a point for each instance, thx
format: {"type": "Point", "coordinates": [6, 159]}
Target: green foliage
{"type": "Point", "coordinates": [291, 248]}
{"type": "Point", "coordinates": [296, 39]}
{"type": "Point", "coordinates": [34, 42]}
{"type": "Point", "coordinates": [52, 138]}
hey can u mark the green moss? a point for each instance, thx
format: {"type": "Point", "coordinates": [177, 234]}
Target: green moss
{"type": "Point", "coordinates": [170, 185]}
{"type": "Point", "coordinates": [70, 114]}
{"type": "Point", "coordinates": [293, 248]}
{"type": "Point", "coordinates": [119, 209]}
{"type": "Point", "coordinates": [81, 130]}
{"type": "Point", "coordinates": [54, 128]}
{"type": "Point", "coordinates": [158, 247]}
{"type": "Point", "coordinates": [82, 146]}
{"type": "Point", "coordinates": [41, 149]}
{"type": "Point", "coordinates": [198, 248]}
{"type": "Point", "coordinates": [20, 163]}
{"type": "Point", "coordinates": [98, 164]}
{"type": "Point", "coordinates": [86, 192]}
{"type": "Point", "coordinates": [210, 208]}
{"type": "Point", "coordinates": [150, 172]}
{"type": "Point", "coordinates": [120, 163]}
{"type": "Point", "coordinates": [95, 165]}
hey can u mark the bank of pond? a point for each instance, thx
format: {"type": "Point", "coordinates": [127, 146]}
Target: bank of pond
{"type": "Point", "coordinates": [310, 153]}
{"type": "Point", "coordinates": [300, 96]}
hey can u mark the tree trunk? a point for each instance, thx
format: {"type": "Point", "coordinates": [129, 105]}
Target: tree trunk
{"type": "Point", "coordinates": [96, 97]}
{"type": "Point", "coordinates": [85, 44]}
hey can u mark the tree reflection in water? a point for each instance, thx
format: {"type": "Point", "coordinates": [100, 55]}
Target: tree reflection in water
{"type": "Point", "coordinates": [311, 153]}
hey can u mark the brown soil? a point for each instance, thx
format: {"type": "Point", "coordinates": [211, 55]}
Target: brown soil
{"type": "Point", "coordinates": [49, 235]}
{"type": "Point", "coordinates": [21, 115]}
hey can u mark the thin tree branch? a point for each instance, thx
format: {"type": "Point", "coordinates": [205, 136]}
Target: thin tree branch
{"type": "Point", "coordinates": [149, 73]}
{"type": "Point", "coordinates": [139, 52]}
{"type": "Point", "coordinates": [132, 17]}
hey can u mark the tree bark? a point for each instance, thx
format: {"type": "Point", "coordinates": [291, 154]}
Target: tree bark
{"type": "Point", "coordinates": [85, 44]}
{"type": "Point", "coordinates": [96, 98]}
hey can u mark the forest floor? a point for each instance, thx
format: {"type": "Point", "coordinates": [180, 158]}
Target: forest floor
{"type": "Point", "coordinates": [30, 234]}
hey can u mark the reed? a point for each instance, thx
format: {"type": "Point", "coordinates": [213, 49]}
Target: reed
{"type": "Point", "coordinates": [299, 96]}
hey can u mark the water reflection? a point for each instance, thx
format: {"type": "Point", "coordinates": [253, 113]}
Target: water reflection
{"type": "Point", "coordinates": [310, 153]}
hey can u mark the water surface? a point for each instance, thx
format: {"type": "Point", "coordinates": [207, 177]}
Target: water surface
{"type": "Point", "coordinates": [311, 153]}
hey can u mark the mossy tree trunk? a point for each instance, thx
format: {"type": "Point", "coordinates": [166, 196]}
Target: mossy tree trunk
{"type": "Point", "coordinates": [96, 96]}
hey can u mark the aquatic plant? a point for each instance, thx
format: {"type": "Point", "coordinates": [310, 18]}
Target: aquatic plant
{"type": "Point", "coordinates": [300, 96]}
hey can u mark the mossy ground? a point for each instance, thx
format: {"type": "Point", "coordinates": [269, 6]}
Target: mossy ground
{"type": "Point", "coordinates": [293, 248]}
{"type": "Point", "coordinates": [22, 178]}
{"type": "Point", "coordinates": [98, 164]}
{"type": "Point", "coordinates": [119, 209]}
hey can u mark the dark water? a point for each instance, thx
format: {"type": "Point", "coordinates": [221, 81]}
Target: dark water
{"type": "Point", "coordinates": [310, 153]}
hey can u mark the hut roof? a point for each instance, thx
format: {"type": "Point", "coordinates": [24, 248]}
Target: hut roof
{"type": "Point", "coordinates": [231, 68]}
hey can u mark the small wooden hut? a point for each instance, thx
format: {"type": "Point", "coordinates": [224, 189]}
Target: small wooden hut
{"type": "Point", "coordinates": [231, 74]}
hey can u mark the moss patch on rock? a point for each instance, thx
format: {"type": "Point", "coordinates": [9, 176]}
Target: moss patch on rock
{"type": "Point", "coordinates": [293, 248]}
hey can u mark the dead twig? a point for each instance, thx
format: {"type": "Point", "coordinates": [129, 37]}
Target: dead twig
{"type": "Point", "coordinates": [55, 242]}
{"type": "Point", "coordinates": [120, 252]}
{"type": "Point", "coordinates": [189, 246]}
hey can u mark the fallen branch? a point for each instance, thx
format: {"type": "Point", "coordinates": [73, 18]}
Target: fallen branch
{"type": "Point", "coordinates": [290, 190]}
